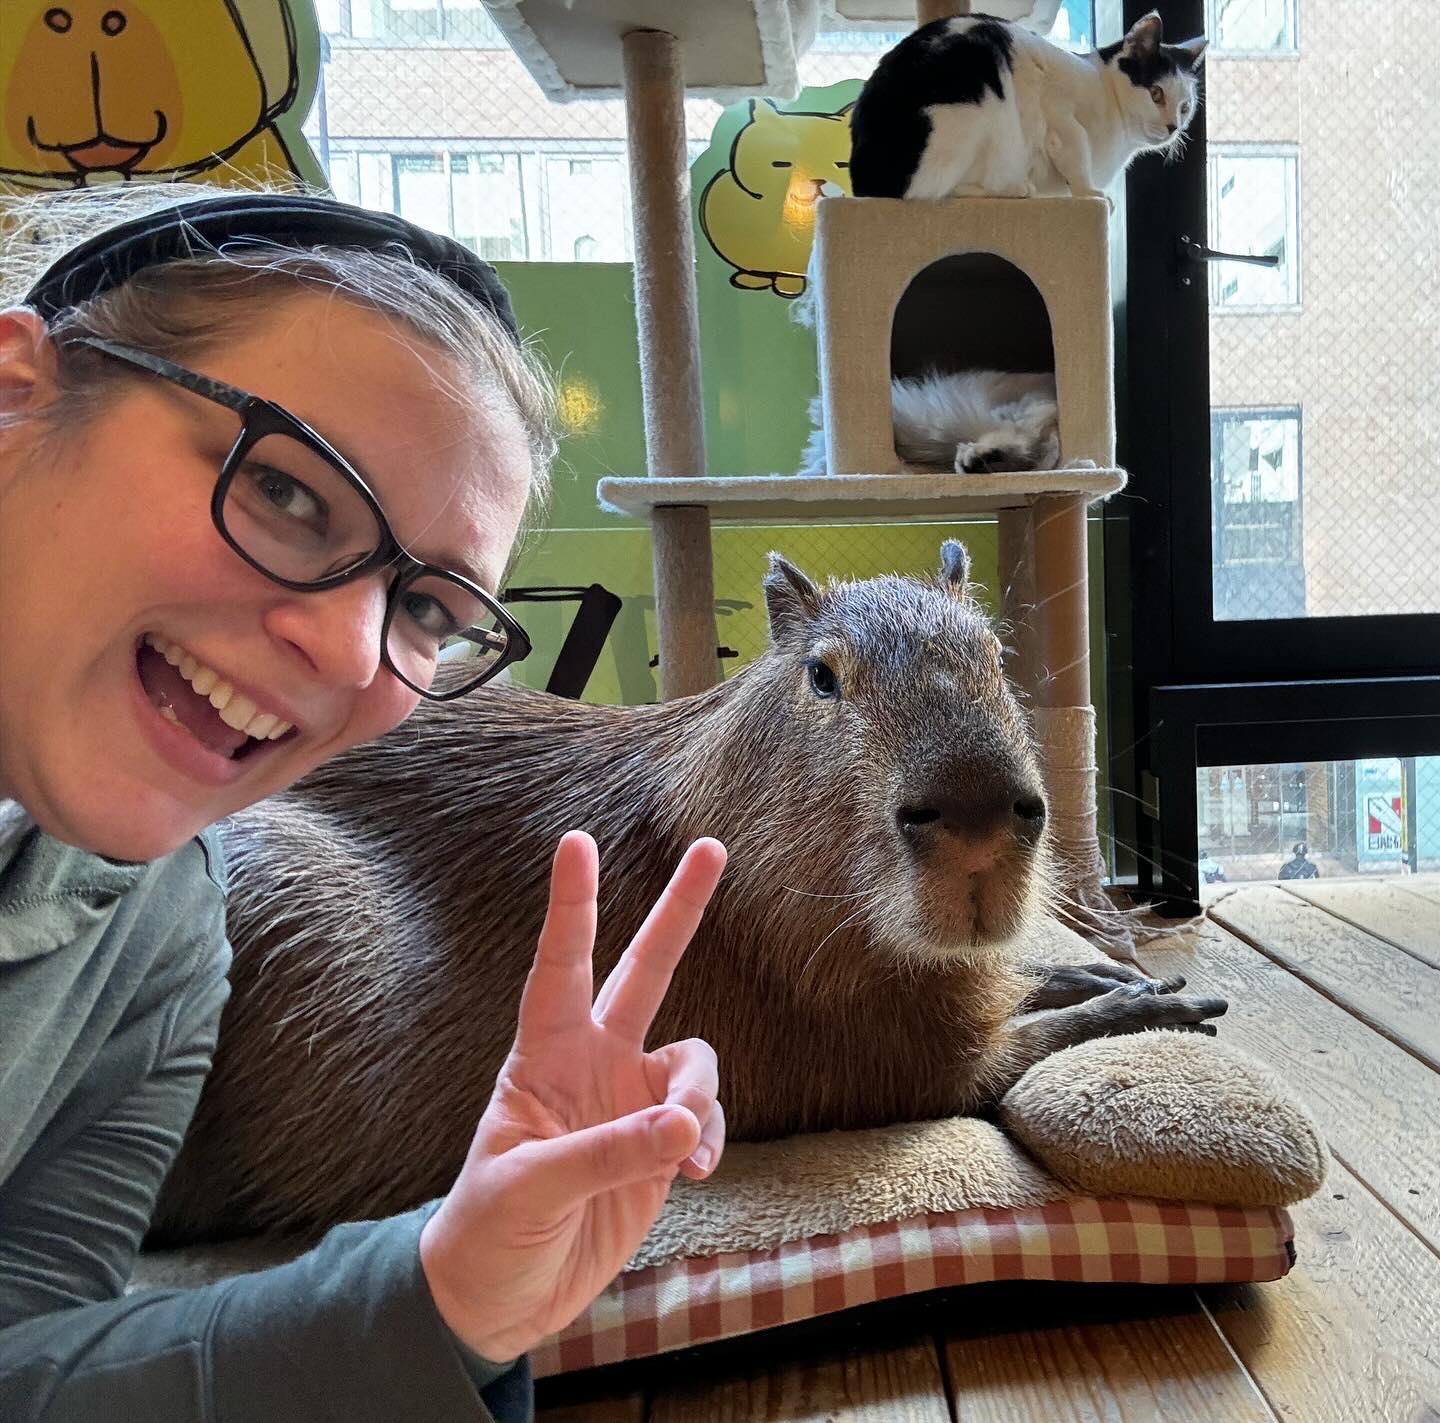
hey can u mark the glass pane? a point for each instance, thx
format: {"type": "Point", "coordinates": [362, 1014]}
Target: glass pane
{"type": "Point", "coordinates": [489, 211]}
{"type": "Point", "coordinates": [1319, 819]}
{"type": "Point", "coordinates": [1252, 25]}
{"type": "Point", "coordinates": [1324, 369]}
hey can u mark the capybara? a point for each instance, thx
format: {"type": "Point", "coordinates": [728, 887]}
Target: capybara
{"type": "Point", "coordinates": [863, 961]}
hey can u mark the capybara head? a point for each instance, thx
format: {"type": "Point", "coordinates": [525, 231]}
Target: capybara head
{"type": "Point", "coordinates": [925, 804]}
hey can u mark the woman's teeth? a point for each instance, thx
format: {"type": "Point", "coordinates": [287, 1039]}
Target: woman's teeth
{"type": "Point", "coordinates": [236, 711]}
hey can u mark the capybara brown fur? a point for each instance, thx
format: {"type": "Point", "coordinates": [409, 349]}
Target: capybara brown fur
{"type": "Point", "coordinates": [861, 962]}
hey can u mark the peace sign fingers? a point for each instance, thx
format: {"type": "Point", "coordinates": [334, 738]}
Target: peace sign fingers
{"type": "Point", "coordinates": [635, 989]}
{"type": "Point", "coordinates": [558, 991]}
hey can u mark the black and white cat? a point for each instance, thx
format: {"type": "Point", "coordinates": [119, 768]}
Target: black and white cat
{"type": "Point", "coordinates": [974, 106]}
{"type": "Point", "coordinates": [973, 422]}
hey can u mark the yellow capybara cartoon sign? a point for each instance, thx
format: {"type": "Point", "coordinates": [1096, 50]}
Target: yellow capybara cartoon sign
{"type": "Point", "coordinates": [758, 213]}
{"type": "Point", "coordinates": [105, 91]}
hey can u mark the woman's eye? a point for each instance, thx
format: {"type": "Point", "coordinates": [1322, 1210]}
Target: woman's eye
{"type": "Point", "coordinates": [1157, 93]}
{"type": "Point", "coordinates": [822, 680]}
{"type": "Point", "coordinates": [430, 615]}
{"type": "Point", "coordinates": [289, 496]}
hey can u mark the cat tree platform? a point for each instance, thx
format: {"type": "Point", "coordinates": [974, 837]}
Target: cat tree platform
{"type": "Point", "coordinates": [919, 495]}
{"type": "Point", "coordinates": [731, 47]}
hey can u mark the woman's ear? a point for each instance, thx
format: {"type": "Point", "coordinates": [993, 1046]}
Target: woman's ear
{"type": "Point", "coordinates": [27, 362]}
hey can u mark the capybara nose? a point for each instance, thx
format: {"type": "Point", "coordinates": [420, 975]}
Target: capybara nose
{"type": "Point", "coordinates": [1019, 808]}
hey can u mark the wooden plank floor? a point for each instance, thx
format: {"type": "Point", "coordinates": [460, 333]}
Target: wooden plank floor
{"type": "Point", "coordinates": [1335, 985]}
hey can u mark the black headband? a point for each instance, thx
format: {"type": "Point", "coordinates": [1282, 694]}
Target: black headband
{"type": "Point", "coordinates": [285, 219]}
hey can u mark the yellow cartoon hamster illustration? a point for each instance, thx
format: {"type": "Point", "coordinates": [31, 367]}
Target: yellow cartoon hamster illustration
{"type": "Point", "coordinates": [759, 213]}
{"type": "Point", "coordinates": [103, 91]}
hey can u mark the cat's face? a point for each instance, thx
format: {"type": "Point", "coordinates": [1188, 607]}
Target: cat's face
{"type": "Point", "coordinates": [1157, 83]}
{"type": "Point", "coordinates": [795, 157]}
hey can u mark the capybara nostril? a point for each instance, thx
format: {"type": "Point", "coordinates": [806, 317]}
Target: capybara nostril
{"type": "Point", "coordinates": [916, 817]}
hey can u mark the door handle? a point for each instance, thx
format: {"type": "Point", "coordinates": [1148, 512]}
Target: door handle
{"type": "Point", "coordinates": [1195, 252]}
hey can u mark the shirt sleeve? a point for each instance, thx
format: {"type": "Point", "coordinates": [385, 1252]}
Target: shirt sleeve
{"type": "Point", "coordinates": [349, 1331]}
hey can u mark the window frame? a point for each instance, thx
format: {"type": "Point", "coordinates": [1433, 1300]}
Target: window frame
{"type": "Point", "coordinates": [1221, 415]}
{"type": "Point", "coordinates": [389, 36]}
{"type": "Point", "coordinates": [1185, 688]}
{"type": "Point", "coordinates": [1294, 265]}
{"type": "Point", "coordinates": [1212, 28]}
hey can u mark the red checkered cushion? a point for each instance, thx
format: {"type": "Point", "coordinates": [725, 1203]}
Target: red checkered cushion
{"type": "Point", "coordinates": [697, 1301]}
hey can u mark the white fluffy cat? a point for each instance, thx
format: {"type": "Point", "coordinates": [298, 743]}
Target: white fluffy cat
{"type": "Point", "coordinates": [970, 421]}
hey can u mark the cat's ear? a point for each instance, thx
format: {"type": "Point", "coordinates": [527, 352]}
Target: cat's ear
{"type": "Point", "coordinates": [764, 111]}
{"type": "Point", "coordinates": [1143, 40]}
{"type": "Point", "coordinates": [1190, 53]}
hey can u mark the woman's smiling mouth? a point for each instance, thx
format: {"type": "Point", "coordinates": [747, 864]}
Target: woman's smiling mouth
{"type": "Point", "coordinates": [223, 722]}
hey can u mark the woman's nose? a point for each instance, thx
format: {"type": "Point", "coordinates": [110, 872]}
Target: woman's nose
{"type": "Point", "coordinates": [338, 631]}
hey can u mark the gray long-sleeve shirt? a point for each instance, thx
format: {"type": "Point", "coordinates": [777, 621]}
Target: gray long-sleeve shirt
{"type": "Point", "coordinates": [112, 980]}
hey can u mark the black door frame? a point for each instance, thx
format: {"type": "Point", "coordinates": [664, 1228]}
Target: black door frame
{"type": "Point", "coordinates": [1200, 692]}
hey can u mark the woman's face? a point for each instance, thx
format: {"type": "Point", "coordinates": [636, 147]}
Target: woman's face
{"type": "Point", "coordinates": [106, 537]}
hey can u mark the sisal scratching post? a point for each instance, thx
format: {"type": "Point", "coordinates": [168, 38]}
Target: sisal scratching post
{"type": "Point", "coordinates": [1016, 557]}
{"type": "Point", "coordinates": [1058, 631]}
{"type": "Point", "coordinates": [666, 309]}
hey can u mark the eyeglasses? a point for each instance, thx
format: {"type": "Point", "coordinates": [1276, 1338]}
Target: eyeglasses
{"type": "Point", "coordinates": [297, 511]}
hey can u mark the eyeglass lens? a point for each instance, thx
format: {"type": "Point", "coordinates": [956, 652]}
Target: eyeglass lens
{"type": "Point", "coordinates": [300, 518]}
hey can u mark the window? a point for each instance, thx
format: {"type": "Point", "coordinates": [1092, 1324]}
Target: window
{"type": "Point", "coordinates": [587, 209]}
{"type": "Point", "coordinates": [455, 22]}
{"type": "Point", "coordinates": [1319, 819]}
{"type": "Point", "coordinates": [1254, 208]}
{"type": "Point", "coordinates": [477, 198]}
{"type": "Point", "coordinates": [1252, 26]}
{"type": "Point", "coordinates": [487, 205]}
{"type": "Point", "coordinates": [1258, 552]}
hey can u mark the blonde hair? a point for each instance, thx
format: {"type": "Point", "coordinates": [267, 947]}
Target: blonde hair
{"type": "Point", "coordinates": [181, 308]}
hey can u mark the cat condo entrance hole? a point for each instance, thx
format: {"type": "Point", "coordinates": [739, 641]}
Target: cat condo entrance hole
{"type": "Point", "coordinates": [960, 320]}
{"type": "Point", "coordinates": [971, 312]}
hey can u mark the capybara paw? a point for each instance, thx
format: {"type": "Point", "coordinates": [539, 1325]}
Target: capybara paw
{"type": "Point", "coordinates": [1134, 1007]}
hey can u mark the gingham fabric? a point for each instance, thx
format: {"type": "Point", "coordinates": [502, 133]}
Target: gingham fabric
{"type": "Point", "coordinates": [655, 1310]}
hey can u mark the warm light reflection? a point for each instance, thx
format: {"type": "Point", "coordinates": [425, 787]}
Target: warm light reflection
{"type": "Point", "coordinates": [580, 407]}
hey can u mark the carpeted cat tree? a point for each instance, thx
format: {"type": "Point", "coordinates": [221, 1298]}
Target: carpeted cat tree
{"type": "Point", "coordinates": [1053, 253]}
{"type": "Point", "coordinates": [1163, 1158]}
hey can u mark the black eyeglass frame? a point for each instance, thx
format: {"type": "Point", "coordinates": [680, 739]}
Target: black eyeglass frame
{"type": "Point", "coordinates": [260, 417]}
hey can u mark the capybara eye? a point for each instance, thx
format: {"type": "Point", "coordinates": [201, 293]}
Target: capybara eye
{"type": "Point", "coordinates": [112, 22]}
{"type": "Point", "coordinates": [59, 20]}
{"type": "Point", "coordinates": [822, 680]}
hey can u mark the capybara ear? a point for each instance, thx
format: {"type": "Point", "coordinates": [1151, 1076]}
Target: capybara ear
{"type": "Point", "coordinates": [955, 566]}
{"type": "Point", "coordinates": [791, 599]}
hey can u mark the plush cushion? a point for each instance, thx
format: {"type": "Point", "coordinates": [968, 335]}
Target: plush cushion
{"type": "Point", "coordinates": [702, 1299]}
{"type": "Point", "coordinates": [1168, 1114]}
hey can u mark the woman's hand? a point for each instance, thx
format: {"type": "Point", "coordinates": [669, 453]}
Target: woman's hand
{"type": "Point", "coordinates": [585, 1130]}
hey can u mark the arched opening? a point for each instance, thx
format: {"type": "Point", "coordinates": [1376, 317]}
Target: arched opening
{"type": "Point", "coordinates": [977, 312]}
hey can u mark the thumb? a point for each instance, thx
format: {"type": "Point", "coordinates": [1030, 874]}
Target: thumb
{"type": "Point", "coordinates": [567, 1170]}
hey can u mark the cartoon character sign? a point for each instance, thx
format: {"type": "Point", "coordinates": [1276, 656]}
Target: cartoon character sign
{"type": "Point", "coordinates": [759, 212]}
{"type": "Point", "coordinates": [105, 91]}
